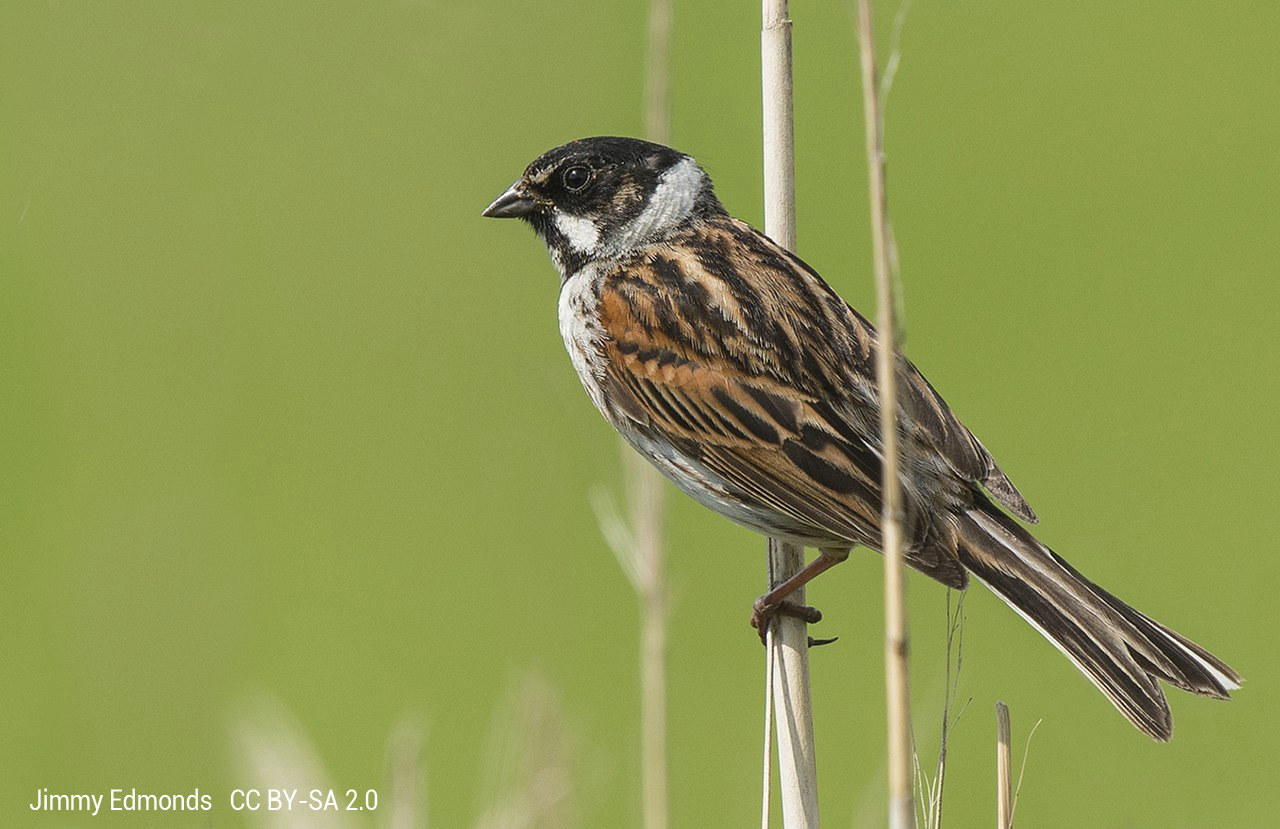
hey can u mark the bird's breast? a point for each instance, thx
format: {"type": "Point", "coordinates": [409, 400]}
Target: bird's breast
{"type": "Point", "coordinates": [581, 329]}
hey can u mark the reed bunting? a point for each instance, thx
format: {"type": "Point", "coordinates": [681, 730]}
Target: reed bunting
{"type": "Point", "coordinates": [732, 366]}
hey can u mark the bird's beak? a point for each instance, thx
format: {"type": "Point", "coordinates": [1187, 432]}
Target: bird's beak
{"type": "Point", "coordinates": [512, 204]}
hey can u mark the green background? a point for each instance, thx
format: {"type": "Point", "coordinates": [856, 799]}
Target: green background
{"type": "Point", "coordinates": [293, 467]}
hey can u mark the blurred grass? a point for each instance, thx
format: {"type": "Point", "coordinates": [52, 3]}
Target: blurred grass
{"type": "Point", "coordinates": [281, 414]}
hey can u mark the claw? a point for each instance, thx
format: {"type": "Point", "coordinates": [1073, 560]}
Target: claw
{"type": "Point", "coordinates": [762, 614]}
{"type": "Point", "coordinates": [774, 602]}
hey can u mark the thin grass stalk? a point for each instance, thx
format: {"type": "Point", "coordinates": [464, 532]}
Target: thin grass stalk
{"type": "Point", "coordinates": [901, 800]}
{"type": "Point", "coordinates": [788, 638]}
{"type": "Point", "coordinates": [646, 509]}
{"type": "Point", "coordinates": [930, 789]}
{"type": "Point", "coordinates": [1004, 768]}
{"type": "Point", "coordinates": [407, 780]}
{"type": "Point", "coordinates": [766, 760]}
{"type": "Point", "coordinates": [657, 79]}
{"type": "Point", "coordinates": [955, 643]}
{"type": "Point", "coordinates": [1022, 771]}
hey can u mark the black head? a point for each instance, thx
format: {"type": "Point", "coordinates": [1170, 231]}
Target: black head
{"type": "Point", "coordinates": [607, 197]}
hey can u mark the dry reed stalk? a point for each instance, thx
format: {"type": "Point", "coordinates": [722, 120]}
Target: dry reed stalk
{"type": "Point", "coordinates": [1004, 768]}
{"type": "Point", "coordinates": [788, 638]}
{"type": "Point", "coordinates": [647, 507]}
{"type": "Point", "coordinates": [901, 800]}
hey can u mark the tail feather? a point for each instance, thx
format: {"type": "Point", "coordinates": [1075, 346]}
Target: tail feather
{"type": "Point", "coordinates": [1123, 652]}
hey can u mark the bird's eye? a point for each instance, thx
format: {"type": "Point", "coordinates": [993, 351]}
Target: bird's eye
{"type": "Point", "coordinates": [576, 178]}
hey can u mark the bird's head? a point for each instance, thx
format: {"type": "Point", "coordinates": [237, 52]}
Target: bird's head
{"type": "Point", "coordinates": [607, 197]}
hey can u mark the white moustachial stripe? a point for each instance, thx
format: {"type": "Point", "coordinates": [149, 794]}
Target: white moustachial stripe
{"type": "Point", "coordinates": [581, 232]}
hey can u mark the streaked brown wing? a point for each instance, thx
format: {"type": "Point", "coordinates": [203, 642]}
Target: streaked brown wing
{"type": "Point", "coordinates": [733, 345]}
{"type": "Point", "coordinates": [715, 394]}
{"type": "Point", "coordinates": [766, 380]}
{"type": "Point", "coordinates": [765, 440]}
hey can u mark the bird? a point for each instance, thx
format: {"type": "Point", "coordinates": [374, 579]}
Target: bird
{"type": "Point", "coordinates": [734, 368]}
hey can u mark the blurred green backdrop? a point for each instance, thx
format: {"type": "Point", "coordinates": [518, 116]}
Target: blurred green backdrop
{"type": "Point", "coordinates": [290, 446]}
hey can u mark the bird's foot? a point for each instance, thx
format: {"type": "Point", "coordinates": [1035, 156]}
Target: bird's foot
{"type": "Point", "coordinates": [763, 611]}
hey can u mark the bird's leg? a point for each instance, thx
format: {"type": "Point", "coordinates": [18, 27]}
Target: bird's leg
{"type": "Point", "coordinates": [774, 602]}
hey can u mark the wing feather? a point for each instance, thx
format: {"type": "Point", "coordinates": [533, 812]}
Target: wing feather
{"type": "Point", "coordinates": [788, 418]}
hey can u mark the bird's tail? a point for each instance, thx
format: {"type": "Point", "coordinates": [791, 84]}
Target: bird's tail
{"type": "Point", "coordinates": [1122, 651]}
